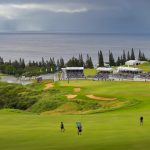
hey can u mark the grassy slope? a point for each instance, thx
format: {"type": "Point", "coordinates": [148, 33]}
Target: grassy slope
{"type": "Point", "coordinates": [1, 74]}
{"type": "Point", "coordinates": [145, 66]}
{"type": "Point", "coordinates": [90, 72]}
{"type": "Point", "coordinates": [115, 130]}
{"type": "Point", "coordinates": [54, 99]}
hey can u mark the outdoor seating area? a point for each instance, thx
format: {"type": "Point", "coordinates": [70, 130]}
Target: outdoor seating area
{"type": "Point", "coordinates": [72, 73]}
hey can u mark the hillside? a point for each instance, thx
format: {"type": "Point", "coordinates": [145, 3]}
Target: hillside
{"type": "Point", "coordinates": [73, 98]}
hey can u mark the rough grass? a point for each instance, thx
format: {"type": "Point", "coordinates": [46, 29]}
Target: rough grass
{"type": "Point", "coordinates": [17, 96]}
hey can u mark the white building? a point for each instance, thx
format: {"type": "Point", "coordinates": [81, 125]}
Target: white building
{"type": "Point", "coordinates": [132, 62]}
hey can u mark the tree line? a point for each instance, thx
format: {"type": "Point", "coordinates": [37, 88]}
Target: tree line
{"type": "Point", "coordinates": [33, 68]}
{"type": "Point", "coordinates": [121, 59]}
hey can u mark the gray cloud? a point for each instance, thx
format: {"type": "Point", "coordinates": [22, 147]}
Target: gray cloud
{"type": "Point", "coordinates": [75, 15]}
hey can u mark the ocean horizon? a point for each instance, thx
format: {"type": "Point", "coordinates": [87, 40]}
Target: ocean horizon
{"type": "Point", "coordinates": [34, 46]}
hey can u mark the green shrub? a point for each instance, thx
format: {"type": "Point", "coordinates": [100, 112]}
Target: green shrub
{"type": "Point", "coordinates": [11, 97]}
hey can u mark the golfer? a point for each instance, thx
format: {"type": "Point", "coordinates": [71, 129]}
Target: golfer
{"type": "Point", "coordinates": [141, 120]}
{"type": "Point", "coordinates": [79, 128]}
{"type": "Point", "coordinates": [62, 128]}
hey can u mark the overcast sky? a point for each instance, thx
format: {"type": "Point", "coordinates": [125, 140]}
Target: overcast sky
{"type": "Point", "coordinates": [86, 16]}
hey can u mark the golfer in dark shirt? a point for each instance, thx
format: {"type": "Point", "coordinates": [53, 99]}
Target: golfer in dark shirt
{"type": "Point", "coordinates": [141, 120]}
{"type": "Point", "coordinates": [79, 127]}
{"type": "Point", "coordinates": [62, 128]}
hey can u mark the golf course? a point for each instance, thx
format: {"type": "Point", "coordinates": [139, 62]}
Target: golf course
{"type": "Point", "coordinates": [109, 111]}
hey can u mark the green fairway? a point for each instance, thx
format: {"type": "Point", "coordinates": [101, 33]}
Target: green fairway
{"type": "Point", "coordinates": [111, 130]}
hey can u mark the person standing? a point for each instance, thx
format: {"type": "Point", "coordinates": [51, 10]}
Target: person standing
{"type": "Point", "coordinates": [141, 120]}
{"type": "Point", "coordinates": [79, 127]}
{"type": "Point", "coordinates": [62, 127]}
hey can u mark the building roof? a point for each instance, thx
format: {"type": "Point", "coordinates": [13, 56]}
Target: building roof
{"type": "Point", "coordinates": [128, 69]}
{"type": "Point", "coordinates": [104, 69]}
{"type": "Point", "coordinates": [73, 68]}
{"type": "Point", "coordinates": [133, 61]}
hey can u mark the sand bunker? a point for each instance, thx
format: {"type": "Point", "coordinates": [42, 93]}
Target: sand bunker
{"type": "Point", "coordinates": [70, 96]}
{"type": "Point", "coordinates": [100, 98]}
{"type": "Point", "coordinates": [77, 89]}
{"type": "Point", "coordinates": [48, 86]}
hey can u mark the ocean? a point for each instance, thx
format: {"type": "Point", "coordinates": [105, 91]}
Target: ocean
{"type": "Point", "coordinates": [34, 46]}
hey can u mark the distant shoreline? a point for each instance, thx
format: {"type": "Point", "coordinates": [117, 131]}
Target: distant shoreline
{"type": "Point", "coordinates": [78, 33]}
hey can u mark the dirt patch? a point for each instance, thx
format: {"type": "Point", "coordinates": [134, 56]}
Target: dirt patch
{"type": "Point", "coordinates": [100, 98]}
{"type": "Point", "coordinates": [49, 86]}
{"type": "Point", "coordinates": [77, 89]}
{"type": "Point", "coordinates": [70, 96]}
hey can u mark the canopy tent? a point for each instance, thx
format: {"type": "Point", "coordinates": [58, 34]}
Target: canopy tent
{"type": "Point", "coordinates": [104, 69]}
{"type": "Point", "coordinates": [74, 68]}
{"type": "Point", "coordinates": [129, 70]}
{"type": "Point", "coordinates": [132, 62]}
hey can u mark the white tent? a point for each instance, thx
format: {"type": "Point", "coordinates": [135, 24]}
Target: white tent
{"type": "Point", "coordinates": [104, 69]}
{"type": "Point", "coordinates": [132, 62]}
{"type": "Point", "coordinates": [74, 68]}
{"type": "Point", "coordinates": [129, 69]}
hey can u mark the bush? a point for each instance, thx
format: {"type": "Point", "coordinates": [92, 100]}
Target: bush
{"type": "Point", "coordinates": [11, 97]}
